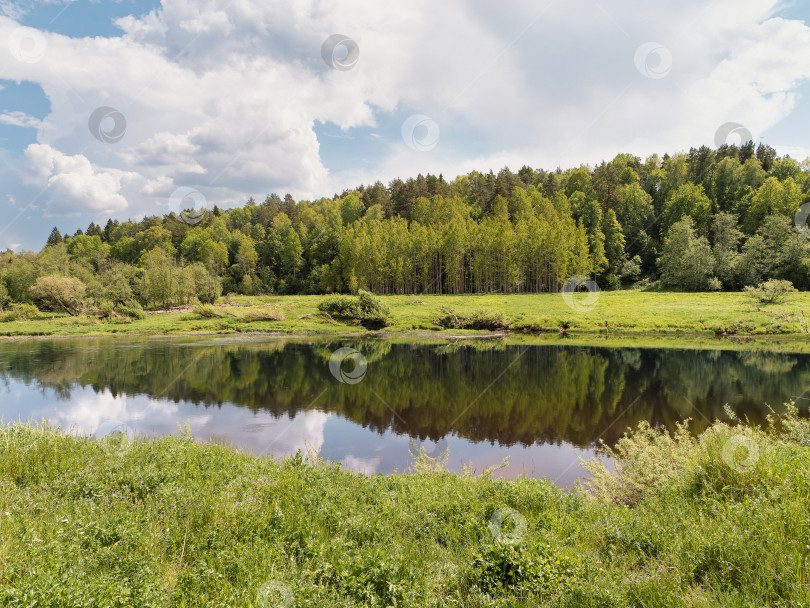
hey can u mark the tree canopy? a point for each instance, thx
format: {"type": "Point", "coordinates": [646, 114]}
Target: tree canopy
{"type": "Point", "coordinates": [706, 219]}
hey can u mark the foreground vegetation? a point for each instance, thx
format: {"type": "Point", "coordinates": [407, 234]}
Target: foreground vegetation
{"type": "Point", "coordinates": [715, 521]}
{"type": "Point", "coordinates": [620, 313]}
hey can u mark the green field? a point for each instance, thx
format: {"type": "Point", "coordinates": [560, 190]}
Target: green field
{"type": "Point", "coordinates": [717, 521]}
{"type": "Point", "coordinates": [615, 313]}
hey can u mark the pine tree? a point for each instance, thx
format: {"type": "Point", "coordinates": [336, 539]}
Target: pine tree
{"type": "Point", "coordinates": [55, 237]}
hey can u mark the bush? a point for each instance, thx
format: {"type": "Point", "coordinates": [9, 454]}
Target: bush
{"type": "Point", "coordinates": [131, 309]}
{"type": "Point", "coordinates": [106, 309]}
{"type": "Point", "coordinates": [772, 291]}
{"type": "Point", "coordinates": [207, 311]}
{"type": "Point", "coordinates": [365, 308]}
{"type": "Point", "coordinates": [17, 312]}
{"type": "Point", "coordinates": [264, 315]}
{"type": "Point", "coordinates": [501, 568]}
{"type": "Point", "coordinates": [60, 293]}
{"type": "Point", "coordinates": [480, 319]}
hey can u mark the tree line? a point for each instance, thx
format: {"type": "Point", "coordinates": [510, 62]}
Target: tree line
{"type": "Point", "coordinates": [709, 219]}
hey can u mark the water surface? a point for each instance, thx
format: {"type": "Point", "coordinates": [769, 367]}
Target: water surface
{"type": "Point", "coordinates": [542, 405]}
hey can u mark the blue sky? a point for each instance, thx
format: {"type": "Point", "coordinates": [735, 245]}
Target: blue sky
{"type": "Point", "coordinates": [231, 98]}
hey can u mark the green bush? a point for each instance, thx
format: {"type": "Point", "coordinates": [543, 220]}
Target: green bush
{"type": "Point", "coordinates": [131, 309]}
{"type": "Point", "coordinates": [207, 311]}
{"type": "Point", "coordinates": [264, 315]}
{"type": "Point", "coordinates": [503, 568]}
{"type": "Point", "coordinates": [18, 312]}
{"type": "Point", "coordinates": [480, 319]}
{"type": "Point", "coordinates": [771, 291]}
{"type": "Point", "coordinates": [106, 309]}
{"type": "Point", "coordinates": [365, 308]}
{"type": "Point", "coordinates": [56, 292]}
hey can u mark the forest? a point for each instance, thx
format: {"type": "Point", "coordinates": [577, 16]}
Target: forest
{"type": "Point", "coordinates": [707, 220]}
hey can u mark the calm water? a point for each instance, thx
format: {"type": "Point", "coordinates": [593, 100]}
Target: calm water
{"type": "Point", "coordinates": [363, 402]}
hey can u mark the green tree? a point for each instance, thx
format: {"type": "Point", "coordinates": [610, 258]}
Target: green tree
{"type": "Point", "coordinates": [686, 259]}
{"type": "Point", "coordinates": [726, 238]}
{"type": "Point", "coordinates": [59, 293]}
{"type": "Point", "coordinates": [54, 238]}
{"type": "Point", "coordinates": [773, 197]}
{"type": "Point", "coordinates": [690, 201]}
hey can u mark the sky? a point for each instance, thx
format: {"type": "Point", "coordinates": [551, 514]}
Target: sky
{"type": "Point", "coordinates": [132, 108]}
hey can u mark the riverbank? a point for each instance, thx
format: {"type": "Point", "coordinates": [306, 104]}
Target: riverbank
{"type": "Point", "coordinates": [717, 521]}
{"type": "Point", "coordinates": [616, 314]}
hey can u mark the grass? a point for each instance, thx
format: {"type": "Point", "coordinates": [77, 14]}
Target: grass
{"type": "Point", "coordinates": [720, 520]}
{"type": "Point", "coordinates": [620, 313]}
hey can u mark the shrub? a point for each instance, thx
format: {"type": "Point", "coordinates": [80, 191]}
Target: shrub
{"type": "Point", "coordinates": [644, 459]}
{"type": "Point", "coordinates": [131, 309]}
{"type": "Point", "coordinates": [365, 308]}
{"type": "Point", "coordinates": [480, 319]}
{"type": "Point", "coordinates": [207, 311]}
{"type": "Point", "coordinates": [501, 568]}
{"type": "Point", "coordinates": [264, 315]}
{"type": "Point", "coordinates": [771, 291]}
{"type": "Point", "coordinates": [59, 293]}
{"type": "Point", "coordinates": [17, 312]}
{"type": "Point", "coordinates": [106, 309]}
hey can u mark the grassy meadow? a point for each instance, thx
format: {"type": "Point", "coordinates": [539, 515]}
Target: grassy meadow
{"type": "Point", "coordinates": [720, 520]}
{"type": "Point", "coordinates": [615, 313]}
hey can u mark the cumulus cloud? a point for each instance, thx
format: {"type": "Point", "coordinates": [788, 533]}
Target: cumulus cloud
{"type": "Point", "coordinates": [224, 95]}
{"type": "Point", "coordinates": [74, 185]}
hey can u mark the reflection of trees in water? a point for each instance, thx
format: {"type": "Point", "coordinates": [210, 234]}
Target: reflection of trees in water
{"type": "Point", "coordinates": [482, 390]}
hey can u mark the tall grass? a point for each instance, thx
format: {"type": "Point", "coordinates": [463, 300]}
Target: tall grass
{"type": "Point", "coordinates": [717, 520]}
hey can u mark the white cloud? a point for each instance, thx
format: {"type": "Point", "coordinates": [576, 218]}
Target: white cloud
{"type": "Point", "coordinates": [75, 186]}
{"type": "Point", "coordinates": [222, 95]}
{"type": "Point", "coordinates": [19, 119]}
